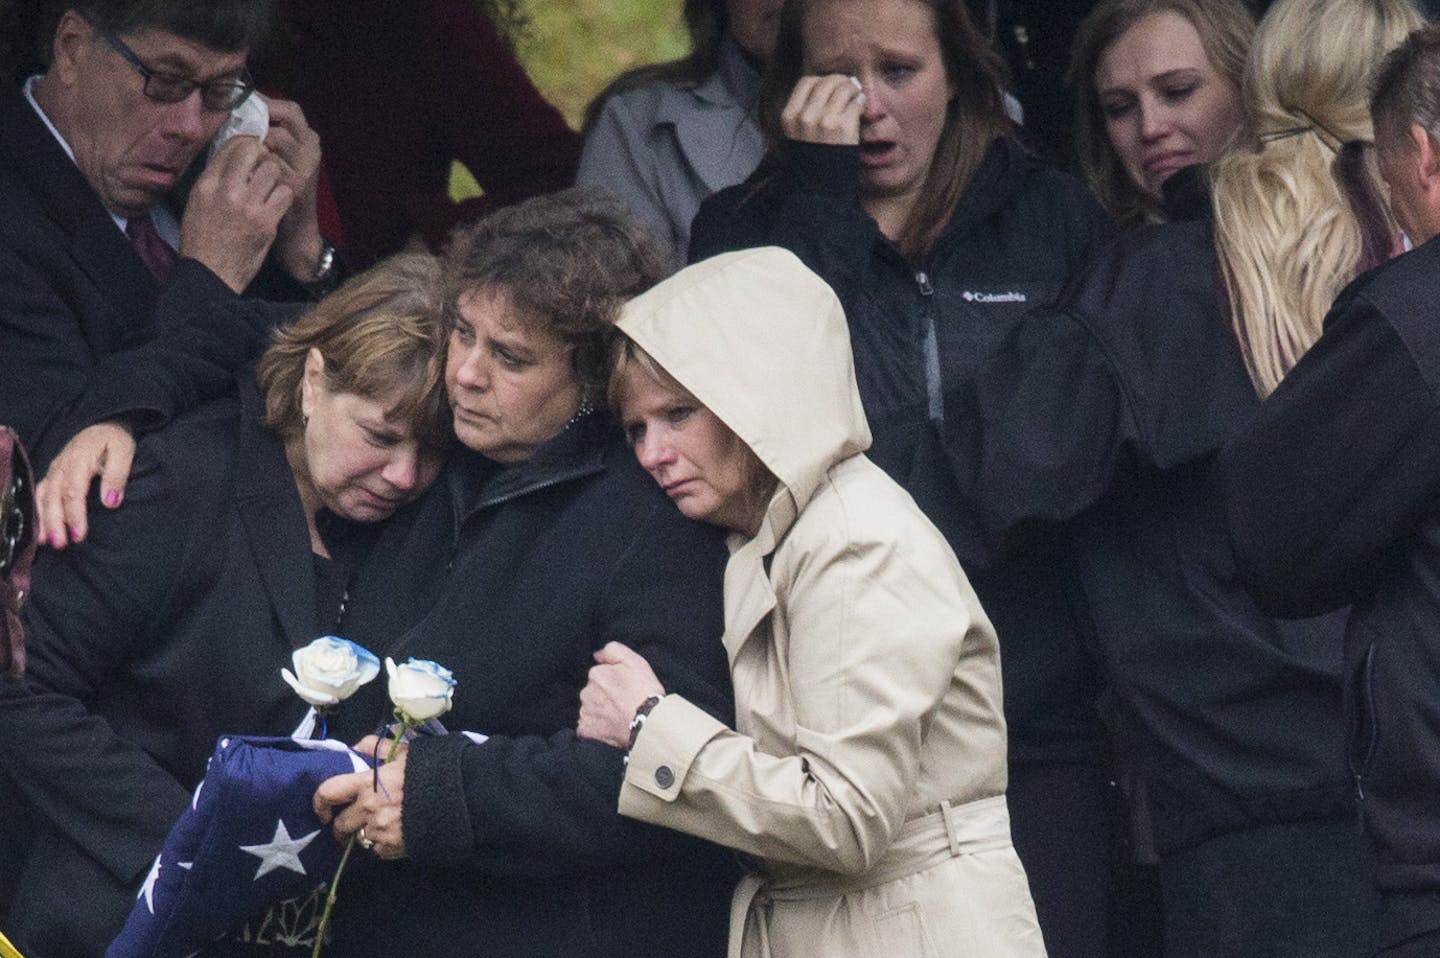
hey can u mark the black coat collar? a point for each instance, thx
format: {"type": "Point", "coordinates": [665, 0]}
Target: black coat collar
{"type": "Point", "coordinates": [477, 483]}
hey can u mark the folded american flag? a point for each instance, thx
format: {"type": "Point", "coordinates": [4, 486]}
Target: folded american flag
{"type": "Point", "coordinates": [249, 839]}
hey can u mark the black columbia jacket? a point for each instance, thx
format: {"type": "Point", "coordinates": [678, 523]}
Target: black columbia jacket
{"type": "Point", "coordinates": [919, 329]}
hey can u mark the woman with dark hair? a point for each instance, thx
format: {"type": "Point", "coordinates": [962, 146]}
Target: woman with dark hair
{"type": "Point", "coordinates": [1157, 89]}
{"type": "Point", "coordinates": [248, 530]}
{"type": "Point", "coordinates": [666, 136]}
{"type": "Point", "coordinates": [557, 543]}
{"type": "Point", "coordinates": [893, 173]}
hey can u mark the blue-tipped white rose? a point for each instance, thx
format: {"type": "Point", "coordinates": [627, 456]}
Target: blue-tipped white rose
{"type": "Point", "coordinates": [329, 670]}
{"type": "Point", "coordinates": [420, 689]}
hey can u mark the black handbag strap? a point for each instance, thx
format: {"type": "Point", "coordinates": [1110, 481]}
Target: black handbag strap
{"type": "Point", "coordinates": [17, 546]}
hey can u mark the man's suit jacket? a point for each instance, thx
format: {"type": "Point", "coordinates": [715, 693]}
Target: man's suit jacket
{"type": "Point", "coordinates": [165, 629]}
{"type": "Point", "coordinates": [80, 315]}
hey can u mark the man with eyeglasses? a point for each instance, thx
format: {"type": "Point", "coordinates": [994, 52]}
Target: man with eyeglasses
{"type": "Point", "coordinates": [112, 238]}
{"type": "Point", "coordinates": [115, 236]}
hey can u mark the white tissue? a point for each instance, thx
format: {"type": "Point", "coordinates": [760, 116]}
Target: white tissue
{"type": "Point", "coordinates": [250, 118]}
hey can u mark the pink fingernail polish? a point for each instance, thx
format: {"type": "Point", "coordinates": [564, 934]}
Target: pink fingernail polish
{"type": "Point", "coordinates": [56, 540]}
{"type": "Point", "coordinates": [112, 498]}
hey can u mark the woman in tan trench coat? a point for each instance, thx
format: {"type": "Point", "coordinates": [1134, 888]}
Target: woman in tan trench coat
{"type": "Point", "coordinates": [865, 777]}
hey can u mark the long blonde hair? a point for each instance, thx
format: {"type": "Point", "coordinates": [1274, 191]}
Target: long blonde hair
{"type": "Point", "coordinates": [1289, 234]}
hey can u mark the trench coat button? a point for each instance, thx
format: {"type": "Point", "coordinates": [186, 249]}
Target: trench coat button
{"type": "Point", "coordinates": [664, 777]}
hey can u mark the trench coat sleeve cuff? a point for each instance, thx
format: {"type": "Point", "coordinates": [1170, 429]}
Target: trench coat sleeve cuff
{"type": "Point", "coordinates": [435, 815]}
{"type": "Point", "coordinates": [673, 735]}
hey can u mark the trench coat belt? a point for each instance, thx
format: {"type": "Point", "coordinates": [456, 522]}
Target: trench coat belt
{"type": "Point", "coordinates": [979, 826]}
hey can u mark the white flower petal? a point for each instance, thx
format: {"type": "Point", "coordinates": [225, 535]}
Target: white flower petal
{"type": "Point", "coordinates": [310, 696]}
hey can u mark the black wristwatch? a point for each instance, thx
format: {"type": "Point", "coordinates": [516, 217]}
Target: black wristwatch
{"type": "Point", "coordinates": [638, 722]}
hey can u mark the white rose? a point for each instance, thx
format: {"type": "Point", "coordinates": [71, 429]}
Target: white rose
{"type": "Point", "coordinates": [420, 689]}
{"type": "Point", "coordinates": [329, 670]}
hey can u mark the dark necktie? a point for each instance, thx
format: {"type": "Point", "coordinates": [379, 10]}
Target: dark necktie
{"type": "Point", "coordinates": [154, 252]}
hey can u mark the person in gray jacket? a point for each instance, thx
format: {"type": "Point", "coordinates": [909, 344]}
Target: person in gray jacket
{"type": "Point", "coordinates": [666, 136]}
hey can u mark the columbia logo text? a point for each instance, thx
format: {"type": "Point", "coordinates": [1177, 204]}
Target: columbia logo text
{"type": "Point", "coordinates": [1011, 297]}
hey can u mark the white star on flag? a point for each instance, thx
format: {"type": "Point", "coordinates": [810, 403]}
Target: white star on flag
{"type": "Point", "coordinates": [282, 851]}
{"type": "Point", "coordinates": [147, 890]}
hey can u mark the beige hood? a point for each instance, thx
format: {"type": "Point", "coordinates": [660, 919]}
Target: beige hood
{"type": "Point", "coordinates": [762, 341]}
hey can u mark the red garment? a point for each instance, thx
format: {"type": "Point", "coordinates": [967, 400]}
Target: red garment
{"type": "Point", "coordinates": [398, 90]}
{"type": "Point", "coordinates": [154, 252]}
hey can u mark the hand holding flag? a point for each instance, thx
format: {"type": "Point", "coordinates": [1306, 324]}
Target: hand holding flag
{"type": "Point", "coordinates": [250, 838]}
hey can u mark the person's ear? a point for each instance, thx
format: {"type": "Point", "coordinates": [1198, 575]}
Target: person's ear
{"type": "Point", "coordinates": [312, 381]}
{"type": "Point", "coordinates": [73, 36]}
{"type": "Point", "coordinates": [1426, 158]}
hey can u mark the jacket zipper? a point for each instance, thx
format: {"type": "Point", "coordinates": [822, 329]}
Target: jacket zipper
{"type": "Point", "coordinates": [933, 391]}
{"type": "Point", "coordinates": [501, 500]}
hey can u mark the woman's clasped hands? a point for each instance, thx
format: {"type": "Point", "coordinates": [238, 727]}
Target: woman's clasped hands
{"type": "Point", "coordinates": [370, 803]}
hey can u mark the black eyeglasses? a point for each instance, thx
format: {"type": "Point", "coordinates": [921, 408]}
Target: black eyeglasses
{"type": "Point", "coordinates": [221, 96]}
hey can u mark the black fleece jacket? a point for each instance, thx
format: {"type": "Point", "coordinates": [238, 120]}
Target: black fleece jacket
{"type": "Point", "coordinates": [516, 846]}
{"type": "Point", "coordinates": [1107, 413]}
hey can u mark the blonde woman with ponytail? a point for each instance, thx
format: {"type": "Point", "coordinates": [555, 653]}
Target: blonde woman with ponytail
{"type": "Point", "coordinates": [1105, 413]}
{"type": "Point", "coordinates": [1332, 498]}
{"type": "Point", "coordinates": [1298, 214]}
